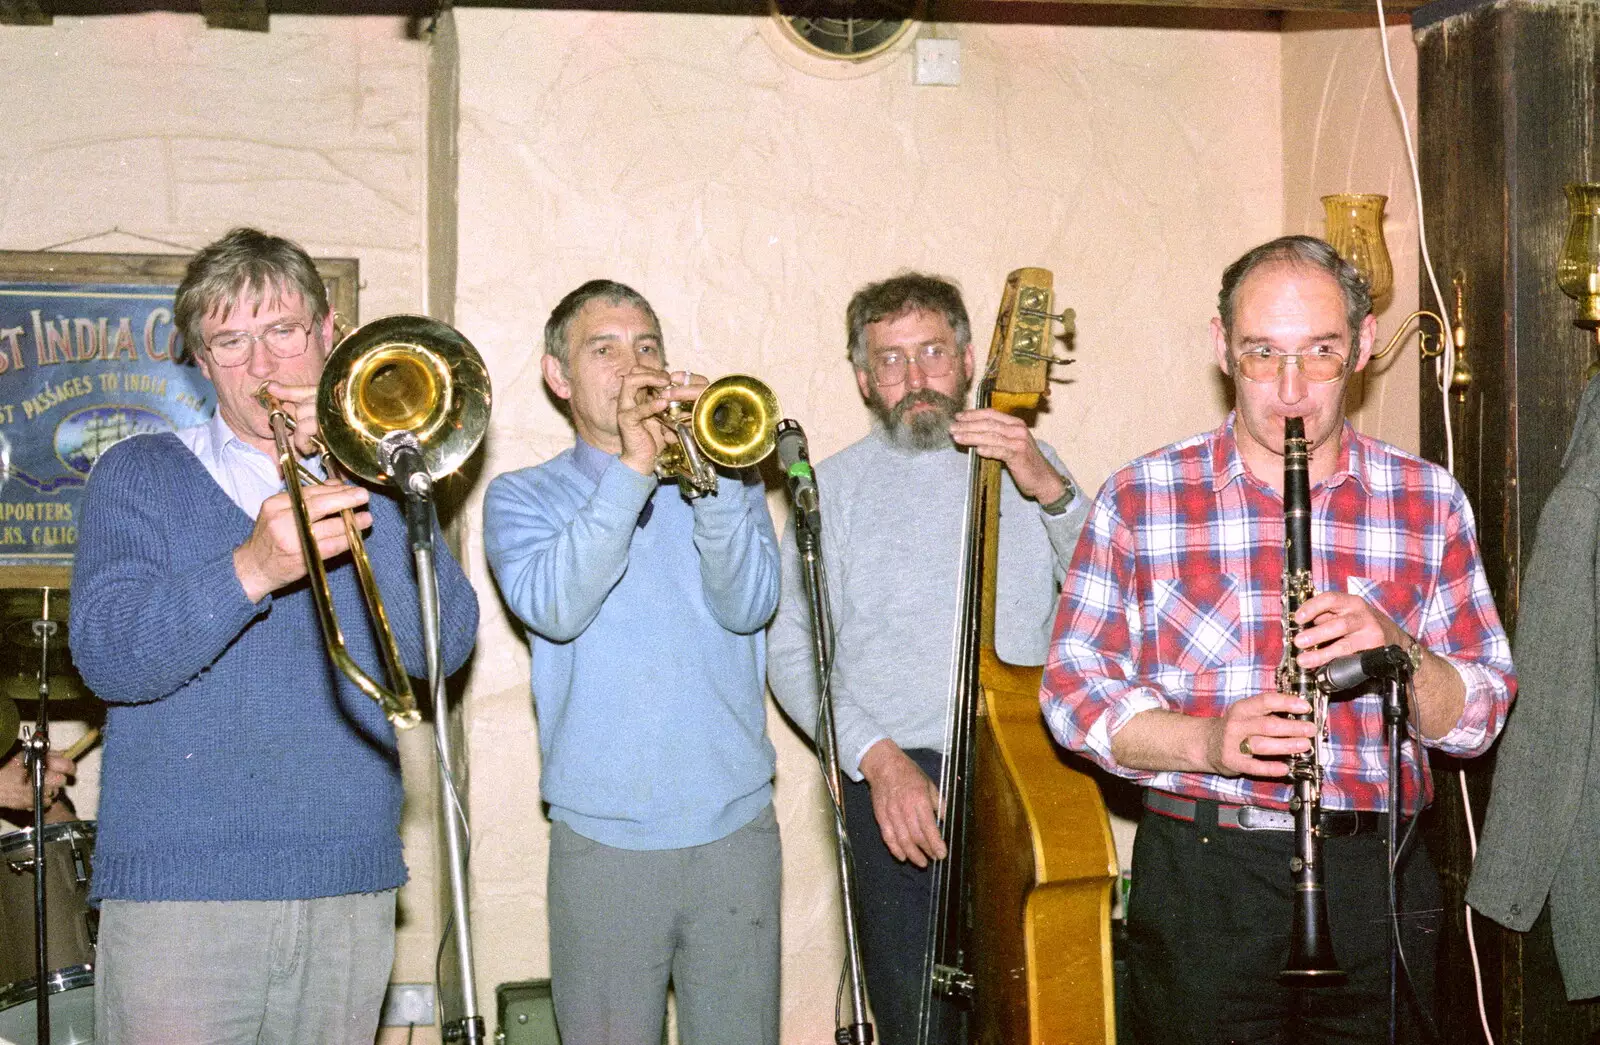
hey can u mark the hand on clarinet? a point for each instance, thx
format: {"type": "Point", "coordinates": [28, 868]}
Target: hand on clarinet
{"type": "Point", "coordinates": [1252, 736]}
{"type": "Point", "coordinates": [905, 803]}
{"type": "Point", "coordinates": [1335, 624]}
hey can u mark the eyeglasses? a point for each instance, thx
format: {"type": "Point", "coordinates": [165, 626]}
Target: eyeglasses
{"type": "Point", "coordinates": [933, 360]}
{"type": "Point", "coordinates": [284, 340]}
{"type": "Point", "coordinates": [1319, 365]}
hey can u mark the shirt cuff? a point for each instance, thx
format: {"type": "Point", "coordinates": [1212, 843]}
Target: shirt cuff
{"type": "Point", "coordinates": [852, 769]}
{"type": "Point", "coordinates": [1471, 734]}
{"type": "Point", "coordinates": [1110, 723]}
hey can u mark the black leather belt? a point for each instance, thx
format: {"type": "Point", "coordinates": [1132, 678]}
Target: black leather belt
{"type": "Point", "coordinates": [1335, 823]}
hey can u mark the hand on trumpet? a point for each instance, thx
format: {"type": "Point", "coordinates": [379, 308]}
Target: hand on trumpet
{"type": "Point", "coordinates": [646, 393]}
{"type": "Point", "coordinates": [270, 557]}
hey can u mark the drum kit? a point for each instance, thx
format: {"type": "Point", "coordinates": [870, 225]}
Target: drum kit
{"type": "Point", "coordinates": [47, 928]}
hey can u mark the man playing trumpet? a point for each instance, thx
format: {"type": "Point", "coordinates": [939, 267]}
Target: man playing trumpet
{"type": "Point", "coordinates": [249, 835]}
{"type": "Point", "coordinates": [645, 612]}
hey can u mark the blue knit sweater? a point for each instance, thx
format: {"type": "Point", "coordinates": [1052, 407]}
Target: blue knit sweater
{"type": "Point", "coordinates": [649, 656]}
{"type": "Point", "coordinates": [239, 765]}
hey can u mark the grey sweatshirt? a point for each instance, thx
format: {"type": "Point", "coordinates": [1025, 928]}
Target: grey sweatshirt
{"type": "Point", "coordinates": [892, 524]}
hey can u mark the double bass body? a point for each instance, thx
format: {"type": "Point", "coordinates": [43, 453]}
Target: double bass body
{"type": "Point", "coordinates": [1027, 931]}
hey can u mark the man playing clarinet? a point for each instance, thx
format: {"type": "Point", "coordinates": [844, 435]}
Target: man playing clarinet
{"type": "Point", "coordinates": [1169, 636]}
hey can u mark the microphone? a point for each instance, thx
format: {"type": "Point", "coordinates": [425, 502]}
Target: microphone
{"type": "Point", "coordinates": [1347, 672]}
{"type": "Point", "coordinates": [795, 460]}
{"type": "Point", "coordinates": [400, 454]}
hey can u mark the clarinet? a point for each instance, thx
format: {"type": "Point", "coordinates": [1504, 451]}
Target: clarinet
{"type": "Point", "coordinates": [1311, 960]}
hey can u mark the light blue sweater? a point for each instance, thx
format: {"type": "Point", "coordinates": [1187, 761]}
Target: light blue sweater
{"type": "Point", "coordinates": [239, 764]}
{"type": "Point", "coordinates": [648, 650]}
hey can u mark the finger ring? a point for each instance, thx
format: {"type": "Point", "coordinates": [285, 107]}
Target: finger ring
{"type": "Point", "coordinates": [1244, 748]}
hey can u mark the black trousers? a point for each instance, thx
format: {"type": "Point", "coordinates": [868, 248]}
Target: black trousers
{"type": "Point", "coordinates": [1209, 924]}
{"type": "Point", "coordinates": [893, 901]}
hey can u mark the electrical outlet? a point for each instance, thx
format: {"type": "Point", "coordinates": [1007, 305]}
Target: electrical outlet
{"type": "Point", "coordinates": [938, 62]}
{"type": "Point", "coordinates": [407, 1004]}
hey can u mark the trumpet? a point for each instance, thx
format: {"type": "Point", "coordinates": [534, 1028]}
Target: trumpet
{"type": "Point", "coordinates": [733, 424]}
{"type": "Point", "coordinates": [399, 381]}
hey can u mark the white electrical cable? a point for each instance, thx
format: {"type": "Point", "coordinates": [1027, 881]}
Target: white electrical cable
{"type": "Point", "coordinates": [1445, 365]}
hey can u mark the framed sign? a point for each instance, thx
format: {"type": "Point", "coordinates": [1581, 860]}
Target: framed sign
{"type": "Point", "coordinates": [88, 357]}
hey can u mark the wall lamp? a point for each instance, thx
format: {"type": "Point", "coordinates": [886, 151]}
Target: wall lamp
{"type": "Point", "coordinates": [1578, 271]}
{"type": "Point", "coordinates": [1353, 224]}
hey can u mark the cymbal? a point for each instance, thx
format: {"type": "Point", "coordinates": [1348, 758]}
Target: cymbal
{"type": "Point", "coordinates": [22, 644]}
{"type": "Point", "coordinates": [10, 719]}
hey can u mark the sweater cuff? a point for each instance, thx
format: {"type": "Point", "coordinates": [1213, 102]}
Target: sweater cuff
{"type": "Point", "coordinates": [624, 491]}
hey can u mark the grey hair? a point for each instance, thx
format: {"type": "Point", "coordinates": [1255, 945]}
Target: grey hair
{"type": "Point", "coordinates": [1307, 251]}
{"type": "Point", "coordinates": [907, 292]}
{"type": "Point", "coordinates": [611, 292]}
{"type": "Point", "coordinates": [244, 265]}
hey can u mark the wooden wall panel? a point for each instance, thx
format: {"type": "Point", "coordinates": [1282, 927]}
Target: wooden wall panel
{"type": "Point", "coordinates": [1506, 110]}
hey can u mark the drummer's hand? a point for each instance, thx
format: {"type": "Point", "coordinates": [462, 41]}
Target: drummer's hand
{"type": "Point", "coordinates": [301, 403]}
{"type": "Point", "coordinates": [16, 789]}
{"type": "Point", "coordinates": [270, 557]}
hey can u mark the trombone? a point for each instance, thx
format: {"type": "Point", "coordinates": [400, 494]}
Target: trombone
{"type": "Point", "coordinates": [401, 378]}
{"type": "Point", "coordinates": [733, 423]}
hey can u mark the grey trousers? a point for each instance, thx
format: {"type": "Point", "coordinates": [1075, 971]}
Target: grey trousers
{"type": "Point", "coordinates": [243, 972]}
{"type": "Point", "coordinates": [624, 922]}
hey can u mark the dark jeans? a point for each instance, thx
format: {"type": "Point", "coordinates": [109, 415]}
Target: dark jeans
{"type": "Point", "coordinates": [1209, 924]}
{"type": "Point", "coordinates": [893, 906]}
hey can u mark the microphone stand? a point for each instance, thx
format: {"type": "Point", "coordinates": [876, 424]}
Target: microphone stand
{"type": "Point", "coordinates": [859, 1031]}
{"type": "Point", "coordinates": [404, 462]}
{"type": "Point", "coordinates": [37, 749]}
{"type": "Point", "coordinates": [1396, 683]}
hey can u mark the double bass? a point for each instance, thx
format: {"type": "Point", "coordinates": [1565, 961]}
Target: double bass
{"type": "Point", "coordinates": [1019, 932]}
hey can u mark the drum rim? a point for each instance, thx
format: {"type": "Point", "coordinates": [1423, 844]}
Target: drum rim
{"type": "Point", "coordinates": [68, 978]}
{"type": "Point", "coordinates": [64, 831]}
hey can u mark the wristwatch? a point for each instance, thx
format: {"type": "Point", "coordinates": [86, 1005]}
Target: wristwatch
{"type": "Point", "coordinates": [1059, 505]}
{"type": "Point", "coordinates": [1414, 654]}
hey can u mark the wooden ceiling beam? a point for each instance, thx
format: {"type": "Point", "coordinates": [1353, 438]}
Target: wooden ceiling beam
{"type": "Point", "coordinates": [249, 15]}
{"type": "Point", "coordinates": [253, 14]}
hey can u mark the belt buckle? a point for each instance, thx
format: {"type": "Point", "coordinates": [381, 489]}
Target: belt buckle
{"type": "Point", "coordinates": [1254, 818]}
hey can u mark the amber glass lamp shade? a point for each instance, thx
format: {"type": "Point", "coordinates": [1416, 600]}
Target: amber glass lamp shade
{"type": "Point", "coordinates": [1578, 272]}
{"type": "Point", "coordinates": [1354, 226]}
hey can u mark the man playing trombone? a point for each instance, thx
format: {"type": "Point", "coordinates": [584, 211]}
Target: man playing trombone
{"type": "Point", "coordinates": [249, 843]}
{"type": "Point", "coordinates": [645, 611]}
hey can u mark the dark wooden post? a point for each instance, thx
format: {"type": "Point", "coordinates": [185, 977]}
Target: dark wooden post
{"type": "Point", "coordinates": [1506, 100]}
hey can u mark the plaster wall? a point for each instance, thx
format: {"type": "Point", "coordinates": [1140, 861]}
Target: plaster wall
{"type": "Point", "coordinates": [151, 134]}
{"type": "Point", "coordinates": [745, 193]}
{"type": "Point", "coordinates": [1341, 134]}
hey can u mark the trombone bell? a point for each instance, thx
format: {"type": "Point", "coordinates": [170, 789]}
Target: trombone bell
{"type": "Point", "coordinates": [400, 374]}
{"type": "Point", "coordinates": [403, 374]}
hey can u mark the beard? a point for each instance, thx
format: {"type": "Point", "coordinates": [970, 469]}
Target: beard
{"type": "Point", "coordinates": [925, 429]}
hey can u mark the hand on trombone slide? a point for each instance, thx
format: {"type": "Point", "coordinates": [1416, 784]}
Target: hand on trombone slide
{"type": "Point", "coordinates": [270, 558]}
{"type": "Point", "coordinates": [646, 394]}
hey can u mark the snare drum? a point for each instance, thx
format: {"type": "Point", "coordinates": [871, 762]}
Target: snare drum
{"type": "Point", "coordinates": [70, 931]}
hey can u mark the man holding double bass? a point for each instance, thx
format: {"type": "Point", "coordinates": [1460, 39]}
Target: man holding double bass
{"type": "Point", "coordinates": [892, 519]}
{"type": "Point", "coordinates": [1162, 669]}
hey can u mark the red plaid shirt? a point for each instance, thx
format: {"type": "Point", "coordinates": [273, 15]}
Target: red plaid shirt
{"type": "Point", "coordinates": [1173, 601]}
